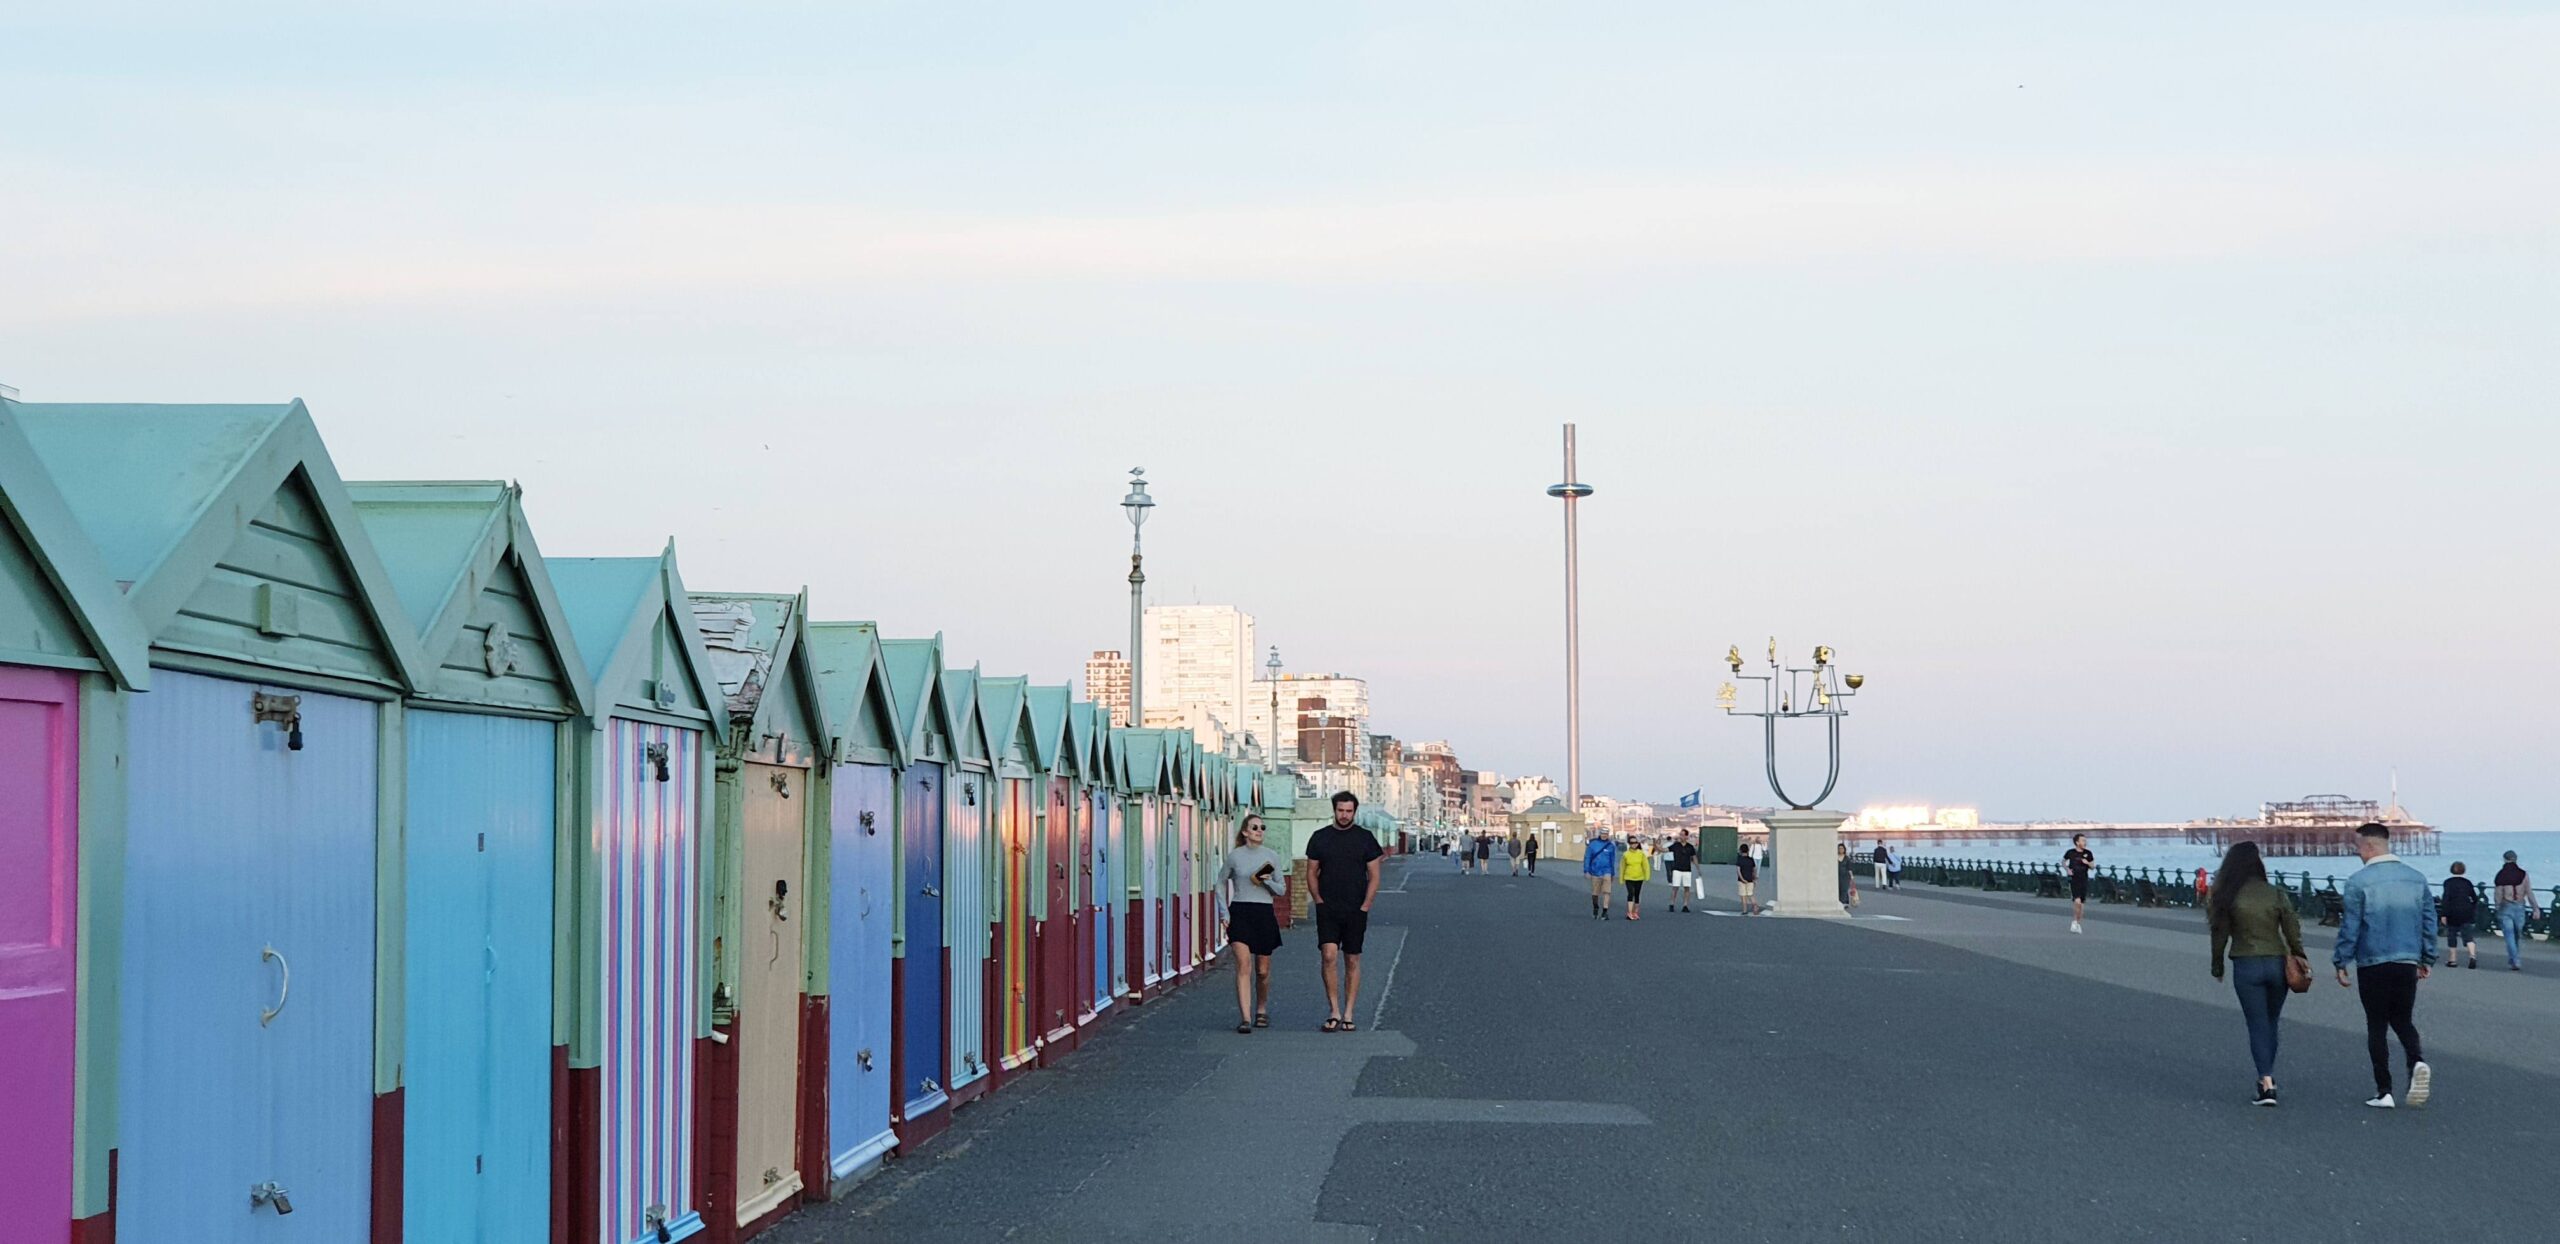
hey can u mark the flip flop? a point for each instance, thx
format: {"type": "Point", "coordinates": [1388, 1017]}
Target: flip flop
{"type": "Point", "coordinates": [1348, 1026]}
{"type": "Point", "coordinates": [1332, 1025]}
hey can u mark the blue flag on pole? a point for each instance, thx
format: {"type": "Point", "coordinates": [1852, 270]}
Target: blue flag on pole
{"type": "Point", "coordinates": [1690, 800]}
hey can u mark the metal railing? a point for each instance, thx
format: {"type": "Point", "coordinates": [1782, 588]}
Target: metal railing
{"type": "Point", "coordinates": [2316, 900]}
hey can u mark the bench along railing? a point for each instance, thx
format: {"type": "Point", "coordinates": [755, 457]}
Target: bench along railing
{"type": "Point", "coordinates": [2315, 900]}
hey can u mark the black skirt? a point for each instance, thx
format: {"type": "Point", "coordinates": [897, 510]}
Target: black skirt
{"type": "Point", "coordinates": [1253, 926]}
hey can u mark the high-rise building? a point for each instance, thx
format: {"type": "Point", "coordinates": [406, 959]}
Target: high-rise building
{"type": "Point", "coordinates": [1106, 682]}
{"type": "Point", "coordinates": [1333, 709]}
{"type": "Point", "coordinates": [1199, 661]}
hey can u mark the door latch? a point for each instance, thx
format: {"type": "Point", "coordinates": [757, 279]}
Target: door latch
{"type": "Point", "coordinates": [271, 1193]}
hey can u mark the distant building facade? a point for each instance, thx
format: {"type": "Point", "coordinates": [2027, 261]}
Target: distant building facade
{"type": "Point", "coordinates": [1324, 718]}
{"type": "Point", "coordinates": [1199, 666]}
{"type": "Point", "coordinates": [1106, 682]}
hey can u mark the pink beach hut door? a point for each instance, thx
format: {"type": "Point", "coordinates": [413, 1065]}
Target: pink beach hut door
{"type": "Point", "coordinates": [38, 841]}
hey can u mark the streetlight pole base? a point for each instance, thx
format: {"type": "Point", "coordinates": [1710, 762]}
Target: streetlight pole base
{"type": "Point", "coordinates": [1804, 855]}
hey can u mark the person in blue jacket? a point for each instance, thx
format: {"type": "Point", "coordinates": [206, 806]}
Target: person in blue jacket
{"type": "Point", "coordinates": [1600, 864]}
{"type": "Point", "coordinates": [2387, 933]}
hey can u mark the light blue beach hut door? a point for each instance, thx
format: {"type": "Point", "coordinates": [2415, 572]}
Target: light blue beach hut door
{"type": "Point", "coordinates": [864, 906]}
{"type": "Point", "coordinates": [246, 1057]}
{"type": "Point", "coordinates": [478, 1071]}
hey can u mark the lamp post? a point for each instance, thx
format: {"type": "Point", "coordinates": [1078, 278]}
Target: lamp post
{"type": "Point", "coordinates": [1136, 505]}
{"type": "Point", "coordinates": [1273, 665]}
{"type": "Point", "coordinates": [1572, 491]}
{"type": "Point", "coordinates": [1803, 840]}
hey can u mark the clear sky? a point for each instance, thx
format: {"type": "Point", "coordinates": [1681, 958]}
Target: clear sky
{"type": "Point", "coordinates": [2156, 401]}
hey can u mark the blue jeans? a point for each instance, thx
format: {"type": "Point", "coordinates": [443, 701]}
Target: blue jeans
{"type": "Point", "coordinates": [2259, 980]}
{"type": "Point", "coordinates": [2511, 927]}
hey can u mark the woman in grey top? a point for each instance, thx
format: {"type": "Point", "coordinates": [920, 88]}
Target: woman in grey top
{"type": "Point", "coordinates": [1254, 876]}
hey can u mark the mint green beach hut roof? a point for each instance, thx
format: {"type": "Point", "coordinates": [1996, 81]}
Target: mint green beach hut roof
{"type": "Point", "coordinates": [1051, 743]}
{"type": "Point", "coordinates": [915, 684]}
{"type": "Point", "coordinates": [164, 491]}
{"type": "Point", "coordinates": [855, 692]}
{"type": "Point", "coordinates": [445, 544]}
{"type": "Point", "coordinates": [621, 610]}
{"type": "Point", "coordinates": [753, 640]}
{"type": "Point", "coordinates": [77, 616]}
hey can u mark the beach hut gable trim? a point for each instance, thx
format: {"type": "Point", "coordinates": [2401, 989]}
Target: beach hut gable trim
{"type": "Point", "coordinates": [631, 622]}
{"type": "Point", "coordinates": [967, 719]}
{"type": "Point", "coordinates": [58, 607]}
{"type": "Point", "coordinates": [854, 692]}
{"type": "Point", "coordinates": [1051, 710]}
{"type": "Point", "coordinates": [465, 566]}
{"type": "Point", "coordinates": [915, 686]}
{"type": "Point", "coordinates": [756, 644]}
{"type": "Point", "coordinates": [231, 534]}
{"type": "Point", "coordinates": [1005, 703]}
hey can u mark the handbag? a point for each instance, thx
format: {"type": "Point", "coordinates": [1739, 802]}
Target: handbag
{"type": "Point", "coordinates": [2297, 969]}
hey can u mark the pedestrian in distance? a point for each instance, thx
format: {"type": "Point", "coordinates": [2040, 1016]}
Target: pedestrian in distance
{"type": "Point", "coordinates": [1530, 850]}
{"type": "Point", "coordinates": [1511, 851]}
{"type": "Point", "coordinates": [1343, 871]}
{"type": "Point", "coordinates": [2252, 922]}
{"type": "Point", "coordinates": [1884, 866]}
{"type": "Point", "coordinates": [1251, 880]}
{"type": "Point", "coordinates": [2079, 861]}
{"type": "Point", "coordinates": [1600, 864]}
{"type": "Point", "coordinates": [1746, 880]}
{"type": "Point", "coordinates": [2387, 933]}
{"type": "Point", "coordinates": [1892, 869]}
{"type": "Point", "coordinates": [1484, 854]}
{"type": "Point", "coordinates": [1466, 853]}
{"type": "Point", "coordinates": [2461, 911]}
{"type": "Point", "coordinates": [1848, 878]}
{"type": "Point", "coordinates": [2513, 893]}
{"type": "Point", "coordinates": [1634, 868]}
{"type": "Point", "coordinates": [1684, 873]}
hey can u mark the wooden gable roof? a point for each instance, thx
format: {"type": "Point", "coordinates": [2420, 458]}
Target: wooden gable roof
{"type": "Point", "coordinates": [859, 701]}
{"type": "Point", "coordinates": [632, 622]}
{"type": "Point", "coordinates": [62, 609]}
{"type": "Point", "coordinates": [463, 561]}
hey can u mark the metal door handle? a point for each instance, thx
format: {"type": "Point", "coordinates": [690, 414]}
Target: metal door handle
{"type": "Point", "coordinates": [930, 892]}
{"type": "Point", "coordinates": [285, 991]}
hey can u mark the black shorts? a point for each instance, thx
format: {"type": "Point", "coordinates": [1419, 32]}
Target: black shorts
{"type": "Point", "coordinates": [1341, 924]}
{"type": "Point", "coordinates": [1254, 927]}
{"type": "Point", "coordinates": [1635, 889]}
{"type": "Point", "coordinates": [2080, 889]}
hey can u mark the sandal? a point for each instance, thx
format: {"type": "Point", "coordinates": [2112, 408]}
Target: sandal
{"type": "Point", "coordinates": [1262, 1020]}
{"type": "Point", "coordinates": [1348, 1026]}
{"type": "Point", "coordinates": [1244, 1030]}
{"type": "Point", "coordinates": [1332, 1025]}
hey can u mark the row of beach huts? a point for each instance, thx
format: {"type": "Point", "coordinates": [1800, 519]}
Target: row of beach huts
{"type": "Point", "coordinates": [368, 875]}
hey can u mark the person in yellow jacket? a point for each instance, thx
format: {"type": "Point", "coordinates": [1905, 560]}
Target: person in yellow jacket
{"type": "Point", "coordinates": [1635, 868]}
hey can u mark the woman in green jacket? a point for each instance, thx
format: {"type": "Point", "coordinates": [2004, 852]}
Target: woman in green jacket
{"type": "Point", "coordinates": [2253, 922]}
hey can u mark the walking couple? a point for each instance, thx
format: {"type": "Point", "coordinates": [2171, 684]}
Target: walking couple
{"type": "Point", "coordinates": [2386, 935]}
{"type": "Point", "coordinates": [1343, 871]}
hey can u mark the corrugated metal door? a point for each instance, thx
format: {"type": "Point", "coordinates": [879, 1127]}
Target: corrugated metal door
{"type": "Point", "coordinates": [477, 1073]}
{"type": "Point", "coordinates": [1110, 971]}
{"type": "Point", "coordinates": [653, 794]}
{"type": "Point", "coordinates": [921, 999]}
{"type": "Point", "coordinates": [1151, 882]}
{"type": "Point", "coordinates": [858, 950]}
{"type": "Point", "coordinates": [247, 1048]}
{"type": "Point", "coordinates": [1089, 968]}
{"type": "Point", "coordinates": [1187, 885]}
{"type": "Point", "coordinates": [964, 910]}
{"type": "Point", "coordinates": [769, 977]}
{"type": "Point", "coordinates": [39, 851]}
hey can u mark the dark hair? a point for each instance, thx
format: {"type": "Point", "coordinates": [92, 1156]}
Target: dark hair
{"type": "Point", "coordinates": [2074, 838]}
{"type": "Point", "coordinates": [1250, 820]}
{"type": "Point", "coordinates": [2374, 829]}
{"type": "Point", "coordinates": [2457, 868]}
{"type": "Point", "coordinates": [1344, 796]}
{"type": "Point", "coordinates": [2240, 866]}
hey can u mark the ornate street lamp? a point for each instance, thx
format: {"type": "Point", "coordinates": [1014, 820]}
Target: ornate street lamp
{"type": "Point", "coordinates": [1804, 839]}
{"type": "Point", "coordinates": [1136, 505]}
{"type": "Point", "coordinates": [1273, 665]}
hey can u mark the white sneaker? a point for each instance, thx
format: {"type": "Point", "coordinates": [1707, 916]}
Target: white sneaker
{"type": "Point", "coordinates": [2383, 1102]}
{"type": "Point", "coordinates": [2422, 1080]}
{"type": "Point", "coordinates": [2075, 926]}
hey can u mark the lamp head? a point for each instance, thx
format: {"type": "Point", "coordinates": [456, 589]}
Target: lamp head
{"type": "Point", "coordinates": [1856, 681]}
{"type": "Point", "coordinates": [1821, 655]}
{"type": "Point", "coordinates": [1274, 663]}
{"type": "Point", "coordinates": [1137, 503]}
{"type": "Point", "coordinates": [1733, 657]}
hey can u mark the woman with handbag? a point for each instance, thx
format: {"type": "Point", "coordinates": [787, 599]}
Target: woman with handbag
{"type": "Point", "coordinates": [2253, 921]}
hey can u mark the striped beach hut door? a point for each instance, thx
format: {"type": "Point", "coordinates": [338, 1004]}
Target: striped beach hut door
{"type": "Point", "coordinates": [1063, 878]}
{"type": "Point", "coordinates": [246, 1054]}
{"type": "Point", "coordinates": [653, 791]}
{"type": "Point", "coordinates": [39, 841]}
{"type": "Point", "coordinates": [478, 1072]}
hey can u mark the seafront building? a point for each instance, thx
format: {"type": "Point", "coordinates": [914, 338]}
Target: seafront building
{"type": "Point", "coordinates": [1198, 667]}
{"type": "Point", "coordinates": [1106, 683]}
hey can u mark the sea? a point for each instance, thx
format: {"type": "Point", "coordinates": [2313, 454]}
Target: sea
{"type": "Point", "coordinates": [2478, 850]}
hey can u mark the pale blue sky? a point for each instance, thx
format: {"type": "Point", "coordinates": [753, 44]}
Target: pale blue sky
{"type": "Point", "coordinates": [2156, 401]}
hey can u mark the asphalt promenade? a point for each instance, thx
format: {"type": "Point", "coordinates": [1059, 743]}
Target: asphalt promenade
{"type": "Point", "coordinates": [1949, 1066]}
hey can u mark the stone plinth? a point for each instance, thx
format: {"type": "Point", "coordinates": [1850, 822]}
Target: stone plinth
{"type": "Point", "coordinates": [1807, 847]}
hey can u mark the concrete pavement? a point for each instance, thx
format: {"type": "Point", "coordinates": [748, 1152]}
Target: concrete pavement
{"type": "Point", "coordinates": [1968, 1072]}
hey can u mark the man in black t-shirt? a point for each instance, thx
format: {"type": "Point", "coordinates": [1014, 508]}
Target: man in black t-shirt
{"type": "Point", "coordinates": [1684, 873]}
{"type": "Point", "coordinates": [2080, 862]}
{"type": "Point", "coordinates": [1344, 867]}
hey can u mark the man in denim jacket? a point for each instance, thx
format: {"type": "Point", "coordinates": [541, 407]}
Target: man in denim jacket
{"type": "Point", "coordinates": [2387, 931]}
